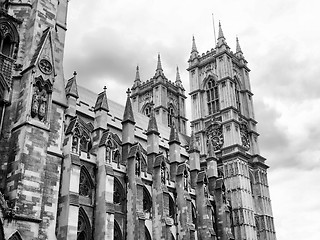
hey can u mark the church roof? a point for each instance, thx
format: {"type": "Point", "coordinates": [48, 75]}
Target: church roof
{"type": "Point", "coordinates": [86, 103]}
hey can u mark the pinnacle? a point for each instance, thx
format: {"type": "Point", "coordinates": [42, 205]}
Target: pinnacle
{"type": "Point", "coordinates": [152, 125]}
{"type": "Point", "coordinates": [159, 67]}
{"type": "Point", "coordinates": [128, 113]}
{"type": "Point", "coordinates": [238, 48]}
{"type": "Point", "coordinates": [137, 79]}
{"type": "Point", "coordinates": [220, 32]}
{"type": "Point", "coordinates": [178, 79]}
{"type": "Point", "coordinates": [194, 47]}
{"type": "Point", "coordinates": [192, 145]}
{"type": "Point", "coordinates": [102, 101]}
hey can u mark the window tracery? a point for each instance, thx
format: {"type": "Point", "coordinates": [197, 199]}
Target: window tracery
{"type": "Point", "coordinates": [84, 228]}
{"type": "Point", "coordinates": [85, 184]}
{"type": "Point", "coordinates": [170, 116]}
{"type": "Point", "coordinates": [212, 97]}
{"type": "Point", "coordinates": [147, 202]}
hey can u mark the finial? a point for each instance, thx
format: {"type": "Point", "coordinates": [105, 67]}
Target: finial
{"type": "Point", "coordinates": [128, 92]}
{"type": "Point", "coordinates": [178, 79]}
{"type": "Point", "coordinates": [104, 88]}
{"type": "Point", "coordinates": [74, 73]}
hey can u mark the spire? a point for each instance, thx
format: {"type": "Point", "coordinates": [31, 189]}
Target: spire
{"type": "Point", "coordinates": [159, 67]}
{"type": "Point", "coordinates": [128, 113]}
{"type": "Point", "coordinates": [178, 79]}
{"type": "Point", "coordinates": [159, 70]}
{"type": "Point", "coordinates": [220, 32]}
{"type": "Point", "coordinates": [137, 79]}
{"type": "Point", "coordinates": [174, 135]}
{"type": "Point", "coordinates": [238, 48]}
{"type": "Point", "coordinates": [194, 47]}
{"type": "Point", "coordinates": [152, 125]}
{"type": "Point", "coordinates": [71, 87]}
{"type": "Point", "coordinates": [102, 101]}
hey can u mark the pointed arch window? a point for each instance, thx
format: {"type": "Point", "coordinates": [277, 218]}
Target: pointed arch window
{"type": "Point", "coordinates": [212, 97]}
{"type": "Point", "coordinates": [147, 110]}
{"type": "Point", "coordinates": [237, 93]}
{"type": "Point", "coordinates": [170, 116]}
{"type": "Point", "coordinates": [147, 202]}
{"type": "Point", "coordinates": [84, 228]}
{"type": "Point", "coordinates": [118, 195]}
{"type": "Point", "coordinates": [117, 234]}
{"type": "Point", "coordinates": [171, 208]}
{"type": "Point", "coordinates": [85, 184]}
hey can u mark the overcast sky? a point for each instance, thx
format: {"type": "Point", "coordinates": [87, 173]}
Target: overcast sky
{"type": "Point", "coordinates": [106, 39]}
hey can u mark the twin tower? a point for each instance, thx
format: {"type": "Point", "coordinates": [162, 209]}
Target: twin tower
{"type": "Point", "coordinates": [77, 165]}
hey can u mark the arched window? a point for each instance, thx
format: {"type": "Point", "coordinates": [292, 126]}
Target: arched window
{"type": "Point", "coordinates": [85, 184]}
{"type": "Point", "coordinates": [237, 93]}
{"type": "Point", "coordinates": [6, 46]}
{"type": "Point", "coordinates": [118, 195]}
{"type": "Point", "coordinates": [251, 183]}
{"type": "Point", "coordinates": [171, 208]}
{"type": "Point", "coordinates": [147, 110]}
{"type": "Point", "coordinates": [84, 228]}
{"type": "Point", "coordinates": [170, 116]}
{"type": "Point", "coordinates": [138, 165]}
{"type": "Point", "coordinates": [194, 215]}
{"type": "Point", "coordinates": [116, 157]}
{"type": "Point", "coordinates": [117, 234]}
{"type": "Point", "coordinates": [147, 234]}
{"type": "Point", "coordinates": [212, 97]}
{"type": "Point", "coordinates": [147, 202]}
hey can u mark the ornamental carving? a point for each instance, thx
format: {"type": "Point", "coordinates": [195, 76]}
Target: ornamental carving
{"type": "Point", "coordinates": [215, 138]}
{"type": "Point", "coordinates": [40, 99]}
{"type": "Point", "coordinates": [244, 135]}
{"type": "Point", "coordinates": [45, 66]}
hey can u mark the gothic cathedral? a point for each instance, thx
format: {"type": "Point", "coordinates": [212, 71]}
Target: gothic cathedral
{"type": "Point", "coordinates": [76, 165]}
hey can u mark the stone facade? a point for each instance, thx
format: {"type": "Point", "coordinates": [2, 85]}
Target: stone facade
{"type": "Point", "coordinates": [77, 165]}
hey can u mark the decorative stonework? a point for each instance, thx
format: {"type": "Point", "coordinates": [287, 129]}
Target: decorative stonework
{"type": "Point", "coordinates": [214, 134]}
{"type": "Point", "coordinates": [40, 99]}
{"type": "Point", "coordinates": [244, 135]}
{"type": "Point", "coordinates": [45, 66]}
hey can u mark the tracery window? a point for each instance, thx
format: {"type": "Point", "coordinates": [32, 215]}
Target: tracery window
{"type": "Point", "coordinates": [171, 208]}
{"type": "Point", "coordinates": [212, 97]}
{"type": "Point", "coordinates": [117, 235]}
{"type": "Point", "coordinates": [85, 183]}
{"type": "Point", "coordinates": [118, 195]}
{"type": "Point", "coordinates": [170, 116]}
{"type": "Point", "coordinates": [147, 202]}
{"type": "Point", "coordinates": [84, 228]}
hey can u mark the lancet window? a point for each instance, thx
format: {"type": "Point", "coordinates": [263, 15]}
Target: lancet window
{"type": "Point", "coordinates": [85, 183]}
{"type": "Point", "coordinates": [212, 97]}
{"type": "Point", "coordinates": [147, 110]}
{"type": "Point", "coordinates": [84, 228]}
{"type": "Point", "coordinates": [117, 234]}
{"type": "Point", "coordinates": [237, 92]}
{"type": "Point", "coordinates": [147, 202]}
{"type": "Point", "coordinates": [170, 116]}
{"type": "Point", "coordinates": [171, 208]}
{"type": "Point", "coordinates": [8, 39]}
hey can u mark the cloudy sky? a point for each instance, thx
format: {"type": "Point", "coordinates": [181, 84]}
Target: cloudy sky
{"type": "Point", "coordinates": [280, 39]}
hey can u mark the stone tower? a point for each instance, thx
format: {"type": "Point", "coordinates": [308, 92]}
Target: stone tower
{"type": "Point", "coordinates": [167, 96]}
{"type": "Point", "coordinates": [224, 126]}
{"type": "Point", "coordinates": [33, 102]}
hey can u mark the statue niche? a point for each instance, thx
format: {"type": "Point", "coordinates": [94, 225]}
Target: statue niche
{"type": "Point", "coordinates": [40, 99]}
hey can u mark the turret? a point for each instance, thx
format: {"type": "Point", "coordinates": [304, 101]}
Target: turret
{"type": "Point", "coordinates": [194, 51]}
{"type": "Point", "coordinates": [137, 81]}
{"type": "Point", "coordinates": [221, 43]}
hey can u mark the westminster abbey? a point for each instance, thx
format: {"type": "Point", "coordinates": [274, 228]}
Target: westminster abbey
{"type": "Point", "coordinates": [76, 165]}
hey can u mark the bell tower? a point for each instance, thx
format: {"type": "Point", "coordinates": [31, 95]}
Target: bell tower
{"type": "Point", "coordinates": [223, 119]}
{"type": "Point", "coordinates": [167, 97]}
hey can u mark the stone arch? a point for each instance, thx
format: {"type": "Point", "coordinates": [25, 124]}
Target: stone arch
{"type": "Point", "coordinates": [147, 201]}
{"type": "Point", "coordinates": [118, 195]}
{"type": "Point", "coordinates": [9, 37]}
{"type": "Point", "coordinates": [117, 233]}
{"type": "Point", "coordinates": [147, 233]}
{"type": "Point", "coordinates": [84, 226]}
{"type": "Point", "coordinates": [86, 184]}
